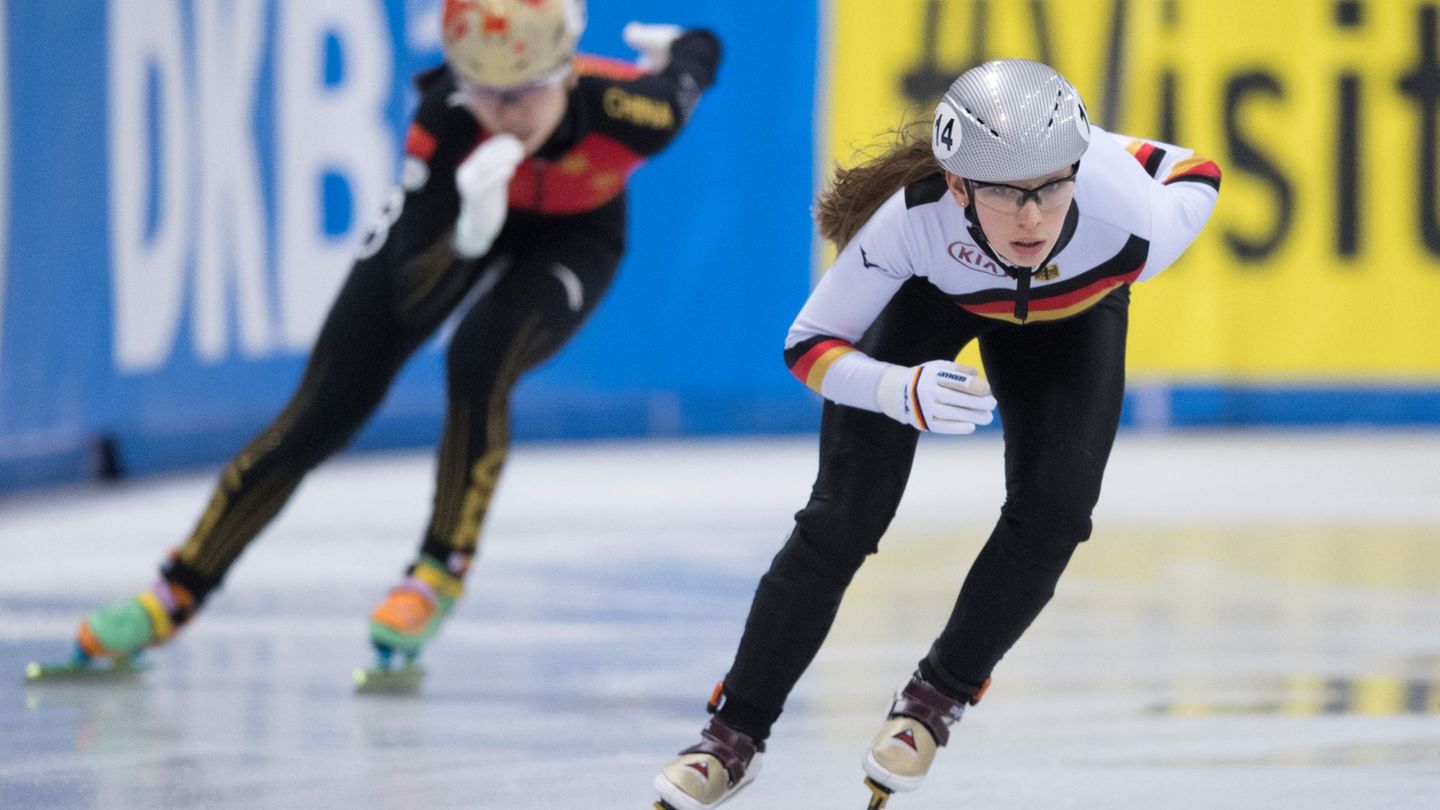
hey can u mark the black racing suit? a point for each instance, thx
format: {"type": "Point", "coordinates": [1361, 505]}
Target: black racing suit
{"type": "Point", "coordinates": [547, 270]}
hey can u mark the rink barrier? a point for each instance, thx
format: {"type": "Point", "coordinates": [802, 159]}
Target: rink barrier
{"type": "Point", "coordinates": [60, 460]}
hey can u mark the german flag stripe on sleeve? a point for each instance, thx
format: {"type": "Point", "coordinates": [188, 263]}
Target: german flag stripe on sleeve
{"type": "Point", "coordinates": [810, 359]}
{"type": "Point", "coordinates": [1149, 155]}
{"type": "Point", "coordinates": [1195, 170]}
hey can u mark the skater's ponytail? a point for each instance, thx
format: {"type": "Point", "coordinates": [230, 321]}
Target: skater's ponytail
{"type": "Point", "coordinates": [855, 193]}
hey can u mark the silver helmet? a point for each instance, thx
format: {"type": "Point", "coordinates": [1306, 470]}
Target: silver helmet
{"type": "Point", "coordinates": [1008, 120]}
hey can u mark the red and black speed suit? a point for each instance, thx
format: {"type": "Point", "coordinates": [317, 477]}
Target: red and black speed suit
{"type": "Point", "coordinates": [559, 249]}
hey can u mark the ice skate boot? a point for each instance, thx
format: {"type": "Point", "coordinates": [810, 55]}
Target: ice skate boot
{"type": "Point", "coordinates": [918, 725]}
{"type": "Point", "coordinates": [709, 773]}
{"type": "Point", "coordinates": [118, 633]}
{"type": "Point", "coordinates": [409, 616]}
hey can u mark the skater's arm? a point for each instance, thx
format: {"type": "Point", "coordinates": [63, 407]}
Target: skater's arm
{"type": "Point", "coordinates": [413, 239]}
{"type": "Point", "coordinates": [1180, 196]}
{"type": "Point", "coordinates": [646, 110]}
{"type": "Point", "coordinates": [820, 347]}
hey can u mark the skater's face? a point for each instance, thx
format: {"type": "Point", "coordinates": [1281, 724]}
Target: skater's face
{"type": "Point", "coordinates": [530, 112]}
{"type": "Point", "coordinates": [1022, 220]}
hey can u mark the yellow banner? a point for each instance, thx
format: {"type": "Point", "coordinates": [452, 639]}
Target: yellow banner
{"type": "Point", "coordinates": [1322, 261]}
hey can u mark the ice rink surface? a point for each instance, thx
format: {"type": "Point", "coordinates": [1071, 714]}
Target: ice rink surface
{"type": "Point", "coordinates": [1255, 624]}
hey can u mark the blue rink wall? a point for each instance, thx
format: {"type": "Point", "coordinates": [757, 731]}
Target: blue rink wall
{"type": "Point", "coordinates": [185, 183]}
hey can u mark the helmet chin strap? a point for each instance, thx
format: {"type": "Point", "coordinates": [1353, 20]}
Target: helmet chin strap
{"type": "Point", "coordinates": [1020, 274]}
{"type": "Point", "coordinates": [972, 223]}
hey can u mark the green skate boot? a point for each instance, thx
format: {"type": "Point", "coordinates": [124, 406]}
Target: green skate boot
{"type": "Point", "coordinates": [118, 633]}
{"type": "Point", "coordinates": [409, 616]}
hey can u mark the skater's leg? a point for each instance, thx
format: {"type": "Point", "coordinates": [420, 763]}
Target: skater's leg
{"type": "Point", "coordinates": [865, 460]}
{"type": "Point", "coordinates": [406, 280]}
{"type": "Point", "coordinates": [362, 345]}
{"type": "Point", "coordinates": [1059, 388]}
{"type": "Point", "coordinates": [382, 314]}
{"type": "Point", "coordinates": [534, 309]}
{"type": "Point", "coordinates": [537, 293]}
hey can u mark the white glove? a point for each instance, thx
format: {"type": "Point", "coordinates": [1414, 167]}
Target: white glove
{"type": "Point", "coordinates": [652, 42]}
{"type": "Point", "coordinates": [938, 396]}
{"type": "Point", "coordinates": [483, 181]}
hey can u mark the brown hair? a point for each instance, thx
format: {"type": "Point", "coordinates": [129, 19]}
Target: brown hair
{"type": "Point", "coordinates": [854, 194]}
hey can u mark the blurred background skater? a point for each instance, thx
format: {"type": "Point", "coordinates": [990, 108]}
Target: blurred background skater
{"type": "Point", "coordinates": [512, 202]}
{"type": "Point", "coordinates": [1010, 219]}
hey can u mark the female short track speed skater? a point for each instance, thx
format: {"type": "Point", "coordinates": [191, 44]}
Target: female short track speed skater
{"type": "Point", "coordinates": [513, 194]}
{"type": "Point", "coordinates": [1013, 221]}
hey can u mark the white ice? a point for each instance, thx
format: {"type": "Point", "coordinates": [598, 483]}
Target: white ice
{"type": "Point", "coordinates": [1255, 624]}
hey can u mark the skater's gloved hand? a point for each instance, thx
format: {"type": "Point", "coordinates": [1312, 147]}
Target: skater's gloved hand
{"type": "Point", "coordinates": [483, 181]}
{"type": "Point", "coordinates": [652, 42]}
{"type": "Point", "coordinates": [938, 396]}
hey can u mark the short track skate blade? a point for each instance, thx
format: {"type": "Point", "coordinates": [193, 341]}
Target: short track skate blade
{"type": "Point", "coordinates": [79, 670]}
{"type": "Point", "coordinates": [402, 681]}
{"type": "Point", "coordinates": [663, 805]}
{"type": "Point", "coordinates": [879, 794]}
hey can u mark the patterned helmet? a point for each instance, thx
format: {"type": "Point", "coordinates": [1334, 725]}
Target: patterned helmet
{"type": "Point", "coordinates": [507, 43]}
{"type": "Point", "coordinates": [1008, 120]}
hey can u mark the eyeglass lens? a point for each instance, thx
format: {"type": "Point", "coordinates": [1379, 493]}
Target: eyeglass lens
{"type": "Point", "coordinates": [1048, 197]}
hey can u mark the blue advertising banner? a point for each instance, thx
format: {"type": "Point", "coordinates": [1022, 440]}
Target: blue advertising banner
{"type": "Point", "coordinates": [184, 183]}
{"type": "Point", "coordinates": [187, 181]}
